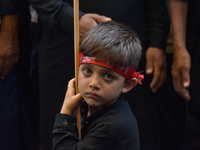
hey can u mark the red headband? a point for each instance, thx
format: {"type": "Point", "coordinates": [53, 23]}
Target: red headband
{"type": "Point", "coordinates": [127, 72]}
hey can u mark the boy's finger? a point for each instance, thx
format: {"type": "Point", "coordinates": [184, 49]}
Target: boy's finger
{"type": "Point", "coordinates": [72, 82]}
{"type": "Point", "coordinates": [71, 86]}
{"type": "Point", "coordinates": [78, 97]}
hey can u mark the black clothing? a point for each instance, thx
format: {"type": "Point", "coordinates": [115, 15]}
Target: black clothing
{"type": "Point", "coordinates": [9, 112]}
{"type": "Point", "coordinates": [9, 99]}
{"type": "Point", "coordinates": [16, 131]}
{"type": "Point", "coordinates": [149, 19]}
{"type": "Point", "coordinates": [149, 23]}
{"type": "Point", "coordinates": [9, 6]}
{"type": "Point", "coordinates": [192, 134]}
{"type": "Point", "coordinates": [111, 128]}
{"type": "Point", "coordinates": [193, 42]}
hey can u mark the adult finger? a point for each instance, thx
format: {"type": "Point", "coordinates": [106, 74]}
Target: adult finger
{"type": "Point", "coordinates": [186, 76]}
{"type": "Point", "coordinates": [100, 18]}
{"type": "Point", "coordinates": [149, 63]}
{"type": "Point", "coordinates": [16, 52]}
{"type": "Point", "coordinates": [86, 23]}
{"type": "Point", "coordinates": [184, 93]}
{"type": "Point", "coordinates": [159, 77]}
{"type": "Point", "coordinates": [178, 85]}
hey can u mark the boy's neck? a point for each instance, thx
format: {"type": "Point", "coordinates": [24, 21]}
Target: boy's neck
{"type": "Point", "coordinates": [92, 110]}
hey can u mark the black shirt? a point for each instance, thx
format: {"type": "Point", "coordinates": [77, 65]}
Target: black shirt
{"type": "Point", "coordinates": [111, 128]}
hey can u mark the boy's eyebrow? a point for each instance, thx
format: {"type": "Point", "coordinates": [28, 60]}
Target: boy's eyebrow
{"type": "Point", "coordinates": [104, 68]}
{"type": "Point", "coordinates": [86, 65]}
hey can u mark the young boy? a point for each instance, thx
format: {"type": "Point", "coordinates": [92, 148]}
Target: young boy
{"type": "Point", "coordinates": [109, 53]}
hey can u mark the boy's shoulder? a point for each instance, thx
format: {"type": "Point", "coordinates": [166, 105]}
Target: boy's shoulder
{"type": "Point", "coordinates": [117, 125]}
{"type": "Point", "coordinates": [121, 114]}
{"type": "Point", "coordinates": [119, 119]}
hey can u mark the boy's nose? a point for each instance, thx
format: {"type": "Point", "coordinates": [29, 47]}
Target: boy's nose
{"type": "Point", "coordinates": [95, 84]}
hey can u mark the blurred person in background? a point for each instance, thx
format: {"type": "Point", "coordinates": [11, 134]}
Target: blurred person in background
{"type": "Point", "coordinates": [15, 127]}
{"type": "Point", "coordinates": [185, 17]}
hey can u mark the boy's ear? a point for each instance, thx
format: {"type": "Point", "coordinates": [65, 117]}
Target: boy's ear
{"type": "Point", "coordinates": [129, 84]}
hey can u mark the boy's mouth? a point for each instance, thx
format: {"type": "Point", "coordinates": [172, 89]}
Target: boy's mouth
{"type": "Point", "coordinates": [92, 95]}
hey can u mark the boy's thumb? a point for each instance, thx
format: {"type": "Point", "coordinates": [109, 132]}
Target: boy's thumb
{"type": "Point", "coordinates": [78, 97]}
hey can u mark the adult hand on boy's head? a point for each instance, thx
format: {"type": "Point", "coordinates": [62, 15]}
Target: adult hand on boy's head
{"type": "Point", "coordinates": [156, 64]}
{"type": "Point", "coordinates": [71, 100]}
{"type": "Point", "coordinates": [90, 20]}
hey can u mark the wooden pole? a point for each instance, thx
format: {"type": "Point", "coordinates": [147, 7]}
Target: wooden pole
{"type": "Point", "coordinates": [76, 55]}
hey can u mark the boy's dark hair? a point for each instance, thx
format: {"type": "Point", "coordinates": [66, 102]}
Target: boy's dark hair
{"type": "Point", "coordinates": [113, 41]}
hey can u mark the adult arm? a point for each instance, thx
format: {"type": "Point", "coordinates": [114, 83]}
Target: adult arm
{"type": "Point", "coordinates": [58, 15]}
{"type": "Point", "coordinates": [158, 29]}
{"type": "Point", "coordinates": [181, 58]}
{"type": "Point", "coordinates": [9, 47]}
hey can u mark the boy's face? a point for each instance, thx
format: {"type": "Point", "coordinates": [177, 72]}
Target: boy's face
{"type": "Point", "coordinates": [99, 86]}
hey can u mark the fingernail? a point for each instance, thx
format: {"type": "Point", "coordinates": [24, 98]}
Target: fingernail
{"type": "Point", "coordinates": [148, 71]}
{"type": "Point", "coordinates": [186, 84]}
{"type": "Point", "coordinates": [108, 19]}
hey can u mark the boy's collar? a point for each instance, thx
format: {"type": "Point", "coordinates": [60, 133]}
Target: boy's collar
{"type": "Point", "coordinates": [100, 112]}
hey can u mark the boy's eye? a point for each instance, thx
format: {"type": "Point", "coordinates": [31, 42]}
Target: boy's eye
{"type": "Point", "coordinates": [108, 77]}
{"type": "Point", "coordinates": [87, 71]}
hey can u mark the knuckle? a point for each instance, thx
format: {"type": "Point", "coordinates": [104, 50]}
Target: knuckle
{"type": "Point", "coordinates": [186, 68]}
{"type": "Point", "coordinates": [174, 74]}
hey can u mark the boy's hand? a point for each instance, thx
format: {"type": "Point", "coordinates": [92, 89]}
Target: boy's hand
{"type": "Point", "coordinates": [156, 64]}
{"type": "Point", "coordinates": [71, 100]}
